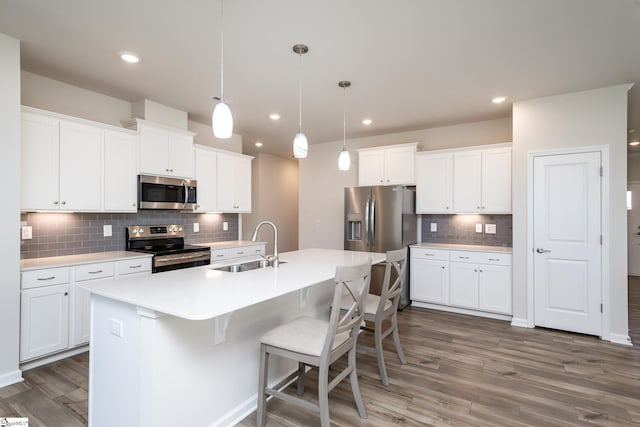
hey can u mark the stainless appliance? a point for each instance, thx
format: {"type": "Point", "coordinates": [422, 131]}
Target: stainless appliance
{"type": "Point", "coordinates": [160, 192]}
{"type": "Point", "coordinates": [380, 219]}
{"type": "Point", "coordinates": [166, 243]}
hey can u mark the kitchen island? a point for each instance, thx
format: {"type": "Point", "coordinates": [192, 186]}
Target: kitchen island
{"type": "Point", "coordinates": [182, 347]}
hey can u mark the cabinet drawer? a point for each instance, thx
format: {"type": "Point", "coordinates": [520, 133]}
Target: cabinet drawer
{"type": "Point", "coordinates": [45, 277]}
{"type": "Point", "coordinates": [132, 266]}
{"type": "Point", "coordinates": [255, 250]}
{"type": "Point", "coordinates": [94, 271]}
{"type": "Point", "coordinates": [428, 253]}
{"type": "Point", "coordinates": [218, 255]}
{"type": "Point", "coordinates": [481, 257]}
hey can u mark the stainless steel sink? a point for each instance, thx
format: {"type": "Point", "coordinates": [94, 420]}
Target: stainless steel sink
{"type": "Point", "coordinates": [246, 266]}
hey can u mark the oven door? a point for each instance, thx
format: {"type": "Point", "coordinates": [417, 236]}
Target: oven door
{"type": "Point", "coordinates": [159, 192]}
{"type": "Point", "coordinates": [180, 260]}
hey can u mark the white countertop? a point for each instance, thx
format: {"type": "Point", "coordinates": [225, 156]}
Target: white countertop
{"type": "Point", "coordinates": [69, 260]}
{"type": "Point", "coordinates": [230, 244]}
{"type": "Point", "coordinates": [203, 293]}
{"type": "Point", "coordinates": [458, 247]}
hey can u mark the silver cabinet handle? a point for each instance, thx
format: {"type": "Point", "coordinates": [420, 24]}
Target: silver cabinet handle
{"type": "Point", "coordinates": [47, 278]}
{"type": "Point", "coordinates": [494, 259]}
{"type": "Point", "coordinates": [541, 251]}
{"type": "Point", "coordinates": [430, 254]}
{"type": "Point", "coordinates": [135, 266]}
{"type": "Point", "coordinates": [463, 257]}
{"type": "Point", "coordinates": [95, 272]}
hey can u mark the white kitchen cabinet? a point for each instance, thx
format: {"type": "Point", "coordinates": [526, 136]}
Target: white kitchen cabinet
{"type": "Point", "coordinates": [233, 183]}
{"type": "Point", "coordinates": [44, 320]}
{"type": "Point", "coordinates": [429, 276]}
{"type": "Point", "coordinates": [61, 164]}
{"type": "Point", "coordinates": [434, 183]}
{"type": "Point", "coordinates": [464, 285]}
{"type": "Point", "coordinates": [120, 171]}
{"type": "Point", "coordinates": [164, 150]}
{"type": "Point", "coordinates": [391, 165]}
{"type": "Point", "coordinates": [482, 181]}
{"type": "Point", "coordinates": [494, 288]}
{"type": "Point", "coordinates": [80, 313]}
{"type": "Point", "coordinates": [206, 163]}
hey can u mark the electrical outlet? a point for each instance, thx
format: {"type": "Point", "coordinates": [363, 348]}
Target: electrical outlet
{"type": "Point", "coordinates": [225, 226]}
{"type": "Point", "coordinates": [478, 228]}
{"type": "Point", "coordinates": [107, 230]}
{"type": "Point", "coordinates": [117, 328]}
{"type": "Point", "coordinates": [434, 227]}
{"type": "Point", "coordinates": [27, 232]}
{"type": "Point", "coordinates": [490, 228]}
{"type": "Point", "coordinates": [196, 227]}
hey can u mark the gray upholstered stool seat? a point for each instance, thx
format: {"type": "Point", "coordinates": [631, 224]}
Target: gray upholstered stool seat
{"type": "Point", "coordinates": [303, 335]}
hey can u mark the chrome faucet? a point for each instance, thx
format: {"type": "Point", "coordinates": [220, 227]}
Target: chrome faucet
{"type": "Point", "coordinates": [273, 260]}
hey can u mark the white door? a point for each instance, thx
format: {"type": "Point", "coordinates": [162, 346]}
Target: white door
{"type": "Point", "coordinates": [566, 242]}
{"type": "Point", "coordinates": [633, 224]}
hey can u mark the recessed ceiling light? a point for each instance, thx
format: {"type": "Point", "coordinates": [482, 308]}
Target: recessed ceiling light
{"type": "Point", "coordinates": [129, 57]}
{"type": "Point", "coordinates": [367, 122]}
{"type": "Point", "coordinates": [274, 116]}
{"type": "Point", "coordinates": [634, 143]}
{"type": "Point", "coordinates": [258, 144]}
{"type": "Point", "coordinates": [499, 99]}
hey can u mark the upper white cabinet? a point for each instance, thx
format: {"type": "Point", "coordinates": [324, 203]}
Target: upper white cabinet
{"type": "Point", "coordinates": [482, 181]}
{"type": "Point", "coordinates": [164, 150]}
{"type": "Point", "coordinates": [206, 161]}
{"type": "Point", "coordinates": [391, 165]}
{"type": "Point", "coordinates": [234, 183]}
{"type": "Point", "coordinates": [434, 178]}
{"type": "Point", "coordinates": [464, 181]}
{"type": "Point", "coordinates": [61, 164]}
{"type": "Point", "coordinates": [120, 171]}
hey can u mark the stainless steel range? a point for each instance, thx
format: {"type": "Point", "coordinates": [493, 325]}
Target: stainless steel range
{"type": "Point", "coordinates": [166, 243]}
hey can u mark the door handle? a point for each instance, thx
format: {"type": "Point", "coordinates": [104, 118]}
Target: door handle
{"type": "Point", "coordinates": [541, 251]}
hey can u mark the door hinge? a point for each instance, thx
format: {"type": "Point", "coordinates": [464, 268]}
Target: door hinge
{"type": "Point", "coordinates": [600, 308]}
{"type": "Point", "coordinates": [601, 171]}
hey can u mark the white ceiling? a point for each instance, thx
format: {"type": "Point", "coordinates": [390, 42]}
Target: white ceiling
{"type": "Point", "coordinates": [413, 64]}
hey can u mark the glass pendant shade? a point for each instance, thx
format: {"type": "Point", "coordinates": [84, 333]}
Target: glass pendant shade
{"type": "Point", "coordinates": [222, 121]}
{"type": "Point", "coordinates": [344, 160]}
{"type": "Point", "coordinates": [300, 146]}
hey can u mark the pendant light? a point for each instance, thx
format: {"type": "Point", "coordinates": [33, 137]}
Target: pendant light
{"type": "Point", "coordinates": [221, 119]}
{"type": "Point", "coordinates": [344, 160]}
{"type": "Point", "coordinates": [300, 144]}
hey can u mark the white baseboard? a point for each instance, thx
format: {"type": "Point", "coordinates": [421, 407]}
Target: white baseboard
{"type": "Point", "coordinates": [620, 339]}
{"type": "Point", "coordinates": [461, 310]}
{"type": "Point", "coordinates": [53, 358]}
{"type": "Point", "coordinates": [10, 378]}
{"type": "Point", "coordinates": [519, 322]}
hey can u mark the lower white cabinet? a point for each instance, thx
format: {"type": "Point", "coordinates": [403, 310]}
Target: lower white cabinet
{"type": "Point", "coordinates": [55, 311]}
{"type": "Point", "coordinates": [235, 253]}
{"type": "Point", "coordinates": [466, 279]}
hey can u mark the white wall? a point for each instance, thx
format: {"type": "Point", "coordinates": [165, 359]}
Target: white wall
{"type": "Point", "coordinates": [274, 197]}
{"type": "Point", "coordinates": [322, 184]}
{"type": "Point", "coordinates": [205, 137]}
{"type": "Point", "coordinates": [10, 212]}
{"type": "Point", "coordinates": [590, 118]}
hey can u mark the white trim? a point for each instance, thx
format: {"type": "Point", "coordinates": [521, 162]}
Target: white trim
{"type": "Point", "coordinates": [520, 322]}
{"type": "Point", "coordinates": [470, 312]}
{"type": "Point", "coordinates": [11, 378]}
{"type": "Point", "coordinates": [466, 148]}
{"type": "Point", "coordinates": [605, 223]}
{"type": "Point", "coordinates": [382, 147]}
{"type": "Point", "coordinates": [620, 339]}
{"type": "Point", "coordinates": [54, 357]}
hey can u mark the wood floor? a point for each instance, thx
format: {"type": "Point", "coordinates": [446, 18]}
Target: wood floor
{"type": "Point", "coordinates": [462, 371]}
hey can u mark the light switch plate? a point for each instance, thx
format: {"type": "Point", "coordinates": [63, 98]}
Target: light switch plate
{"type": "Point", "coordinates": [26, 232]}
{"type": "Point", "coordinates": [434, 227]}
{"type": "Point", "coordinates": [107, 230]}
{"type": "Point", "coordinates": [478, 228]}
{"type": "Point", "coordinates": [225, 226]}
{"type": "Point", "coordinates": [196, 227]}
{"type": "Point", "coordinates": [117, 328]}
{"type": "Point", "coordinates": [490, 228]}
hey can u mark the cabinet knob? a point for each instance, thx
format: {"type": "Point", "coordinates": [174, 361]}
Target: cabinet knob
{"type": "Point", "coordinates": [133, 205]}
{"type": "Point", "coordinates": [442, 267]}
{"type": "Point", "coordinates": [475, 270]}
{"type": "Point", "coordinates": [170, 170]}
{"type": "Point", "coordinates": [447, 208]}
{"type": "Point", "coordinates": [66, 293]}
{"type": "Point", "coordinates": [55, 202]}
{"type": "Point", "coordinates": [64, 203]}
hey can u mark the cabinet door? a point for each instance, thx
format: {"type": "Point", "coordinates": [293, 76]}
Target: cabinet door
{"type": "Point", "coordinates": [496, 180]}
{"type": "Point", "coordinates": [226, 183]}
{"type": "Point", "coordinates": [154, 150]}
{"type": "Point", "coordinates": [429, 281]}
{"type": "Point", "coordinates": [206, 176]}
{"type": "Point", "coordinates": [181, 155]}
{"type": "Point", "coordinates": [399, 166]}
{"type": "Point", "coordinates": [80, 317]}
{"type": "Point", "coordinates": [467, 181]}
{"type": "Point", "coordinates": [44, 321]}
{"type": "Point", "coordinates": [80, 167]}
{"type": "Point", "coordinates": [464, 284]}
{"type": "Point", "coordinates": [371, 167]}
{"type": "Point", "coordinates": [120, 172]}
{"type": "Point", "coordinates": [494, 284]}
{"type": "Point", "coordinates": [434, 183]}
{"type": "Point", "coordinates": [39, 162]}
{"type": "Point", "coordinates": [243, 184]}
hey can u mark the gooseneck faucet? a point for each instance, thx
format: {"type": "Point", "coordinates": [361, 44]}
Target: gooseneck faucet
{"type": "Point", "coordinates": [273, 260]}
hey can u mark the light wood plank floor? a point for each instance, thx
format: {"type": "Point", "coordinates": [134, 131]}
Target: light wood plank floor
{"type": "Point", "coordinates": [462, 370]}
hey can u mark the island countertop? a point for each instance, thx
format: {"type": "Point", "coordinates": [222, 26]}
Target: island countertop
{"type": "Point", "coordinates": [203, 293]}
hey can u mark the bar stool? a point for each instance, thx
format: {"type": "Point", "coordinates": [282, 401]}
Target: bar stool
{"type": "Point", "coordinates": [379, 308]}
{"type": "Point", "coordinates": [319, 343]}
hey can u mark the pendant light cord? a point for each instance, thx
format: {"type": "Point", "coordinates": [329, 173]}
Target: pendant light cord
{"type": "Point", "coordinates": [344, 118]}
{"type": "Point", "coordinates": [222, 51]}
{"type": "Point", "coordinates": [300, 94]}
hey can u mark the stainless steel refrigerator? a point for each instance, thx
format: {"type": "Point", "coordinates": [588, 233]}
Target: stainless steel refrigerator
{"type": "Point", "coordinates": [380, 219]}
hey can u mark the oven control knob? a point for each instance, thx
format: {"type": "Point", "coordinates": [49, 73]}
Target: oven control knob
{"type": "Point", "coordinates": [180, 229]}
{"type": "Point", "coordinates": [134, 231]}
{"type": "Point", "coordinates": [141, 230]}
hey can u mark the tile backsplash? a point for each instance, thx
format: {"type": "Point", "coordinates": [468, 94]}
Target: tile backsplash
{"type": "Point", "coordinates": [56, 234]}
{"type": "Point", "coordinates": [461, 229]}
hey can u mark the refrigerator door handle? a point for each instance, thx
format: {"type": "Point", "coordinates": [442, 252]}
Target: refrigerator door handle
{"type": "Point", "coordinates": [373, 222]}
{"type": "Point", "coordinates": [366, 221]}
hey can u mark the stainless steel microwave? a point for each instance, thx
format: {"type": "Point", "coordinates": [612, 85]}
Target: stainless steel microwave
{"type": "Point", "coordinates": [159, 192]}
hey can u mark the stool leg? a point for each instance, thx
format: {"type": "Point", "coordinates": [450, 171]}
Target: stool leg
{"type": "Point", "coordinates": [396, 338]}
{"type": "Point", "coordinates": [323, 395]}
{"type": "Point", "coordinates": [261, 415]}
{"type": "Point", "coordinates": [380, 353]}
{"type": "Point", "coordinates": [300, 389]}
{"type": "Point", "coordinates": [355, 386]}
